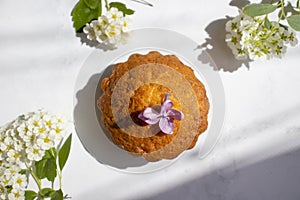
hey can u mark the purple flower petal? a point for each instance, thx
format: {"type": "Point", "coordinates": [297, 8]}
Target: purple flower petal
{"type": "Point", "coordinates": [141, 116]}
{"type": "Point", "coordinates": [150, 116]}
{"type": "Point", "coordinates": [167, 104]}
{"type": "Point", "coordinates": [166, 125]}
{"type": "Point", "coordinates": [152, 121]}
{"type": "Point", "coordinates": [175, 114]}
{"type": "Point", "coordinates": [163, 114]}
{"type": "Point", "coordinates": [150, 113]}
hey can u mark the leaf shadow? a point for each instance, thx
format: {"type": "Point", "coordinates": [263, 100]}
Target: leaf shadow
{"type": "Point", "coordinates": [239, 3]}
{"type": "Point", "coordinates": [289, 9]}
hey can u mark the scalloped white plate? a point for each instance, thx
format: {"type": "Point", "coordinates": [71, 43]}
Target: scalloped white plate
{"type": "Point", "coordinates": [98, 65]}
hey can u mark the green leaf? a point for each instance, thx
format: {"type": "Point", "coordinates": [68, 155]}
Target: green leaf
{"type": "Point", "coordinates": [40, 169]}
{"type": "Point", "coordinates": [40, 166]}
{"type": "Point", "coordinates": [121, 7]}
{"type": "Point", "coordinates": [64, 152]}
{"type": "Point", "coordinates": [30, 195]}
{"type": "Point", "coordinates": [46, 192]}
{"type": "Point", "coordinates": [57, 195]}
{"type": "Point", "coordinates": [254, 10]}
{"type": "Point", "coordinates": [267, 23]}
{"type": "Point", "coordinates": [83, 14]}
{"type": "Point", "coordinates": [50, 169]}
{"type": "Point", "coordinates": [294, 22]}
{"type": "Point", "coordinates": [46, 168]}
{"type": "Point", "coordinates": [93, 4]}
{"type": "Point", "coordinates": [23, 171]}
{"type": "Point", "coordinates": [47, 155]}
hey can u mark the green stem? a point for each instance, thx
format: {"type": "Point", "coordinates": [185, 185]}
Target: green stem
{"type": "Point", "coordinates": [60, 179]}
{"type": "Point", "coordinates": [282, 14]}
{"type": "Point", "coordinates": [53, 153]}
{"type": "Point", "coordinates": [59, 172]}
{"type": "Point", "coordinates": [106, 5]}
{"type": "Point", "coordinates": [36, 179]}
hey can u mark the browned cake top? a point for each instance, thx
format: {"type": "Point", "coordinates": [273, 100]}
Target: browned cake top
{"type": "Point", "coordinates": [143, 81]}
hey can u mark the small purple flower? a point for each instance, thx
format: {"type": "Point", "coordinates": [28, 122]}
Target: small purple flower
{"type": "Point", "coordinates": [165, 115]}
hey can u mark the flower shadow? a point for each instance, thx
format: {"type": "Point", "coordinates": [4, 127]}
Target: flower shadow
{"type": "Point", "coordinates": [94, 44]}
{"type": "Point", "coordinates": [216, 47]}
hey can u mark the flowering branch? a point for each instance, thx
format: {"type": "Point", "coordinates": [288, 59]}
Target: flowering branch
{"type": "Point", "coordinates": [30, 146]}
{"type": "Point", "coordinates": [252, 35]}
{"type": "Point", "coordinates": [109, 28]}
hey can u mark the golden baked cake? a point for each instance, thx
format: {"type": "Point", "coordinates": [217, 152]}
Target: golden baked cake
{"type": "Point", "coordinates": [151, 83]}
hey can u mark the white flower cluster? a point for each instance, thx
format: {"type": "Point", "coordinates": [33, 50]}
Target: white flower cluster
{"type": "Point", "coordinates": [250, 38]}
{"type": "Point", "coordinates": [24, 141]}
{"type": "Point", "coordinates": [109, 29]}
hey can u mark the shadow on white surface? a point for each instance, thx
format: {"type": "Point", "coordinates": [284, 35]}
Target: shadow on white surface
{"type": "Point", "coordinates": [265, 155]}
{"type": "Point", "coordinates": [257, 161]}
{"type": "Point", "coordinates": [93, 138]}
{"type": "Point", "coordinates": [264, 158]}
{"type": "Point", "coordinates": [270, 179]}
{"type": "Point", "coordinates": [84, 40]}
{"type": "Point", "coordinates": [216, 46]}
{"type": "Point", "coordinates": [85, 112]}
{"type": "Point", "coordinates": [239, 3]}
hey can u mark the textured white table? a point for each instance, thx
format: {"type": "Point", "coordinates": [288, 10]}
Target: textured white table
{"type": "Point", "coordinates": [258, 154]}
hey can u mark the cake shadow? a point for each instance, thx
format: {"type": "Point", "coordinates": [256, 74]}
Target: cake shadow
{"type": "Point", "coordinates": [92, 134]}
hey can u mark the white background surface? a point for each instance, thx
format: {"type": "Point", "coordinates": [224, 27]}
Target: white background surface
{"type": "Point", "coordinates": [258, 154]}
